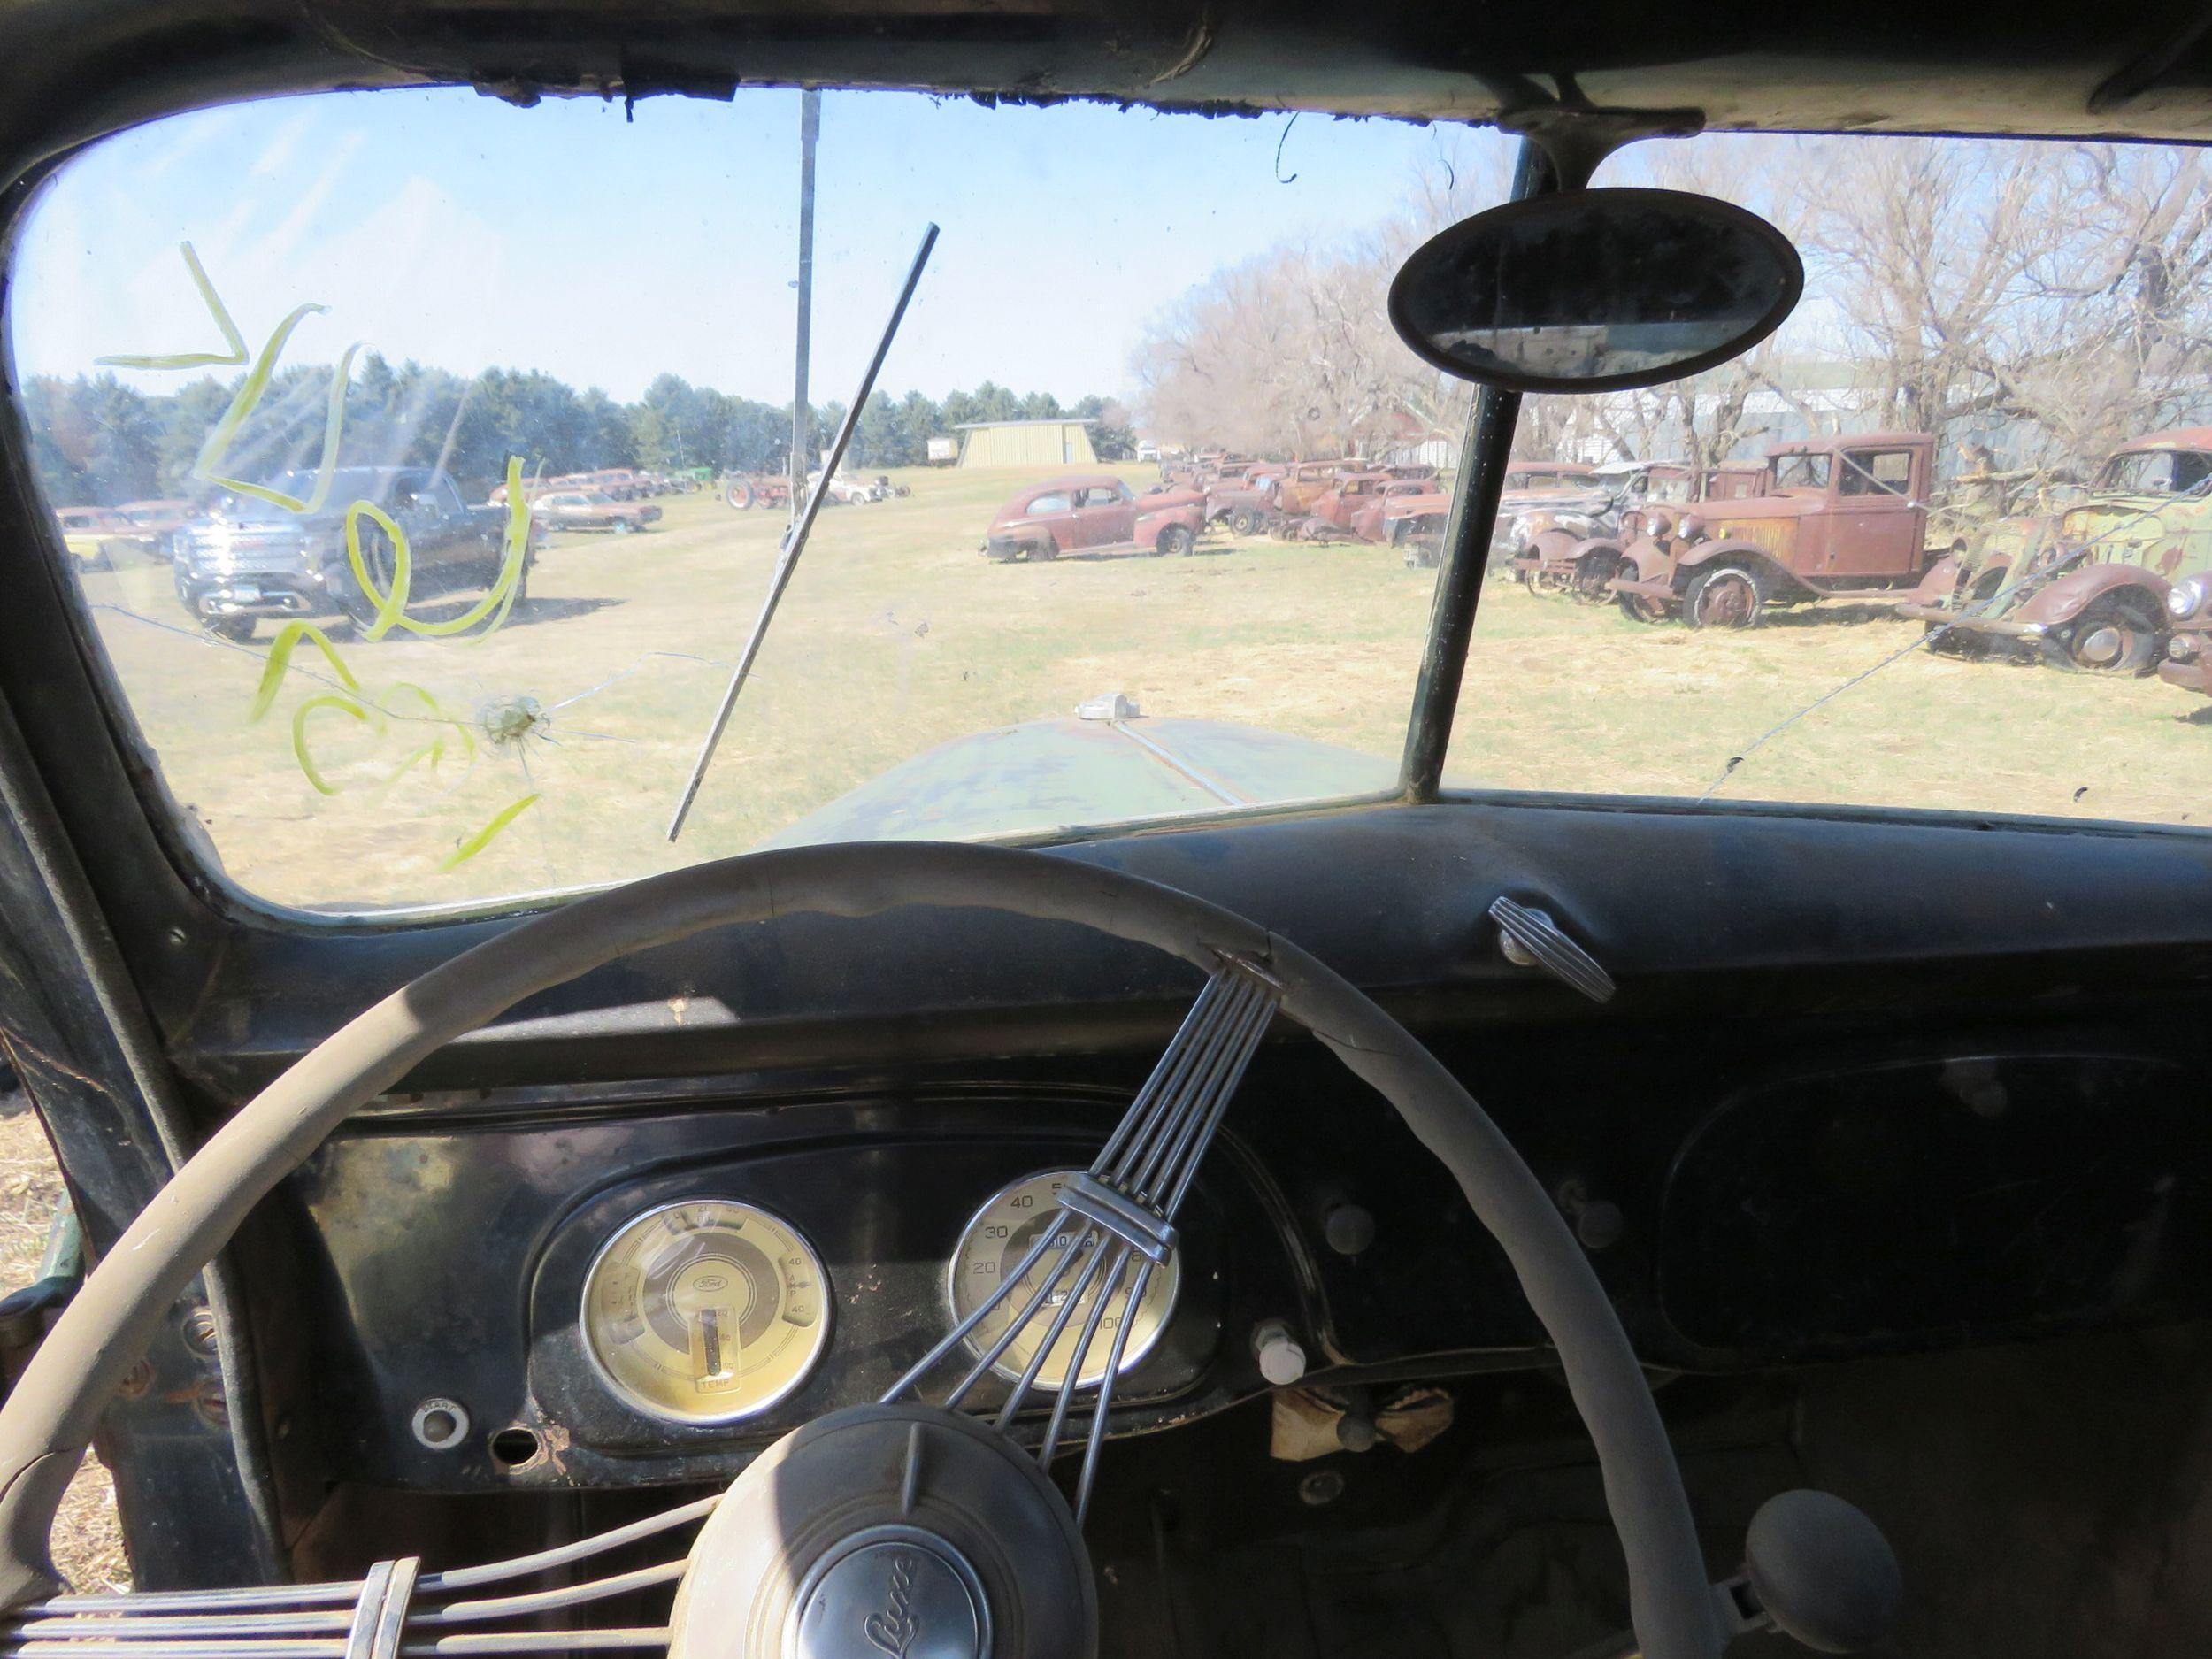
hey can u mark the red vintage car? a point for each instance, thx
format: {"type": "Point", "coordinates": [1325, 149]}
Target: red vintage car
{"type": "Point", "coordinates": [1093, 512]}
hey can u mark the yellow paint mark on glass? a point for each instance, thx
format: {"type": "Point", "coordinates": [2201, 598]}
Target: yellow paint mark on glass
{"type": "Point", "coordinates": [484, 837]}
{"type": "Point", "coordinates": [234, 355]}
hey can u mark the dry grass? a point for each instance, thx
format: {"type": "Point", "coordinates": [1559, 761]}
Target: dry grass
{"type": "Point", "coordinates": [88, 1536]}
{"type": "Point", "coordinates": [896, 635]}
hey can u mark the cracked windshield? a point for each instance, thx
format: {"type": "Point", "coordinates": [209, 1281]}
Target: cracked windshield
{"type": "Point", "coordinates": [426, 466]}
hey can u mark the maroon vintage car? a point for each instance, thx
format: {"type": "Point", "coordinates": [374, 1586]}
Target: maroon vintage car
{"type": "Point", "coordinates": [1836, 518]}
{"type": "Point", "coordinates": [1093, 512]}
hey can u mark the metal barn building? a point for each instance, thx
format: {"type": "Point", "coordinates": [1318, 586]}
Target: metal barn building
{"type": "Point", "coordinates": [1025, 444]}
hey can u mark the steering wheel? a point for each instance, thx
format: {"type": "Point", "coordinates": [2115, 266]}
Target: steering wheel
{"type": "Point", "coordinates": [895, 1528]}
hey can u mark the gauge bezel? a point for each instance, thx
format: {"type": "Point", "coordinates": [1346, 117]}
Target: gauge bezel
{"type": "Point", "coordinates": [1132, 1355]}
{"type": "Point", "coordinates": [622, 1392]}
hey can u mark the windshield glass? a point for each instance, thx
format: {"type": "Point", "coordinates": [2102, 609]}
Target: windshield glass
{"type": "Point", "coordinates": [1928, 606]}
{"type": "Point", "coordinates": [252, 311]}
{"type": "Point", "coordinates": [2158, 471]}
{"type": "Point", "coordinates": [1802, 472]}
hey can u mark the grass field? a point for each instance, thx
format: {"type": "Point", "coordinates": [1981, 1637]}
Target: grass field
{"type": "Point", "coordinates": [896, 635]}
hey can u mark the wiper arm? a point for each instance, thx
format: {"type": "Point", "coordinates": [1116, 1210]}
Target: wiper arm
{"type": "Point", "coordinates": [794, 537]}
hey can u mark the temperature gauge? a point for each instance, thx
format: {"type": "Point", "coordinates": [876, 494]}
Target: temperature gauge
{"type": "Point", "coordinates": [1003, 1233]}
{"type": "Point", "coordinates": [705, 1311]}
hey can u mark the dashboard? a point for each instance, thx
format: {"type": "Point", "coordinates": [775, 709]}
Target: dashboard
{"type": "Point", "coordinates": [1957, 1110]}
{"type": "Point", "coordinates": [652, 1296]}
{"type": "Point", "coordinates": [635, 1285]}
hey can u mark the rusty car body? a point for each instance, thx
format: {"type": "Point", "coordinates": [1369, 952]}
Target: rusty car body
{"type": "Point", "coordinates": [1836, 518]}
{"type": "Point", "coordinates": [592, 509]}
{"type": "Point", "coordinates": [2188, 660]}
{"type": "Point", "coordinates": [1355, 506]}
{"type": "Point", "coordinates": [2085, 587]}
{"type": "Point", "coordinates": [1094, 513]}
{"type": "Point", "coordinates": [1243, 496]}
{"type": "Point", "coordinates": [1576, 548]}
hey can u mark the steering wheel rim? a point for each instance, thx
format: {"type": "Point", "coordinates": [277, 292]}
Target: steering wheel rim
{"type": "Point", "coordinates": [48, 1418]}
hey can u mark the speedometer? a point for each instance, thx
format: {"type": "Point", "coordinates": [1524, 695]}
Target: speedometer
{"type": "Point", "coordinates": [705, 1311]}
{"type": "Point", "coordinates": [1003, 1233]}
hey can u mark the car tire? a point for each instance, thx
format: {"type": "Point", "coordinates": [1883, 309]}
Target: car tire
{"type": "Point", "coordinates": [1175, 540]}
{"type": "Point", "coordinates": [1244, 521]}
{"type": "Point", "coordinates": [740, 494]}
{"type": "Point", "coordinates": [623, 526]}
{"type": "Point", "coordinates": [2113, 635]}
{"type": "Point", "coordinates": [1044, 550]}
{"type": "Point", "coordinates": [237, 630]}
{"type": "Point", "coordinates": [1725, 596]}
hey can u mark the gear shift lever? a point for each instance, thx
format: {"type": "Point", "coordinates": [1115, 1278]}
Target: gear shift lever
{"type": "Point", "coordinates": [1814, 1568]}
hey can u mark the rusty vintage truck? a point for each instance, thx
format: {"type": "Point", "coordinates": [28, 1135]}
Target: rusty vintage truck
{"type": "Point", "coordinates": [1093, 512]}
{"type": "Point", "coordinates": [1833, 518]}
{"type": "Point", "coordinates": [2089, 586]}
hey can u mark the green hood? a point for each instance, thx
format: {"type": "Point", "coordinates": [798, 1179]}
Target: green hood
{"type": "Point", "coordinates": [1051, 774]}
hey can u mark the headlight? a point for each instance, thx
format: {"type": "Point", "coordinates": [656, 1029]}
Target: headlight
{"type": "Point", "coordinates": [2187, 598]}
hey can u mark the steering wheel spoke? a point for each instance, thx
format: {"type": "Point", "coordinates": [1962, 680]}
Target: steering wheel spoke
{"type": "Point", "coordinates": [1118, 1214]}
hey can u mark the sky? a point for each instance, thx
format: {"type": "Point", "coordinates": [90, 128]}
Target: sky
{"type": "Point", "coordinates": [455, 230]}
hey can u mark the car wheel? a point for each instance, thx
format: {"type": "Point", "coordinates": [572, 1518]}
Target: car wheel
{"type": "Point", "coordinates": [237, 630]}
{"type": "Point", "coordinates": [1642, 607]}
{"type": "Point", "coordinates": [1043, 550]}
{"type": "Point", "coordinates": [1588, 584]}
{"type": "Point", "coordinates": [1177, 539]}
{"type": "Point", "coordinates": [1244, 521]}
{"type": "Point", "coordinates": [740, 494]}
{"type": "Point", "coordinates": [2112, 637]}
{"type": "Point", "coordinates": [1728, 597]}
{"type": "Point", "coordinates": [623, 526]}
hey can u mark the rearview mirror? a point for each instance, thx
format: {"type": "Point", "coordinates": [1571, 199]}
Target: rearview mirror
{"type": "Point", "coordinates": [1595, 290]}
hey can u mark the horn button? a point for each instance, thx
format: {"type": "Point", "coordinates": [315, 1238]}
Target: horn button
{"type": "Point", "coordinates": [900, 1530]}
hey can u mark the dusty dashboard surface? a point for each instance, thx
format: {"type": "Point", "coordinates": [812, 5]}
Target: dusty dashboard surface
{"type": "Point", "coordinates": [1935, 1178]}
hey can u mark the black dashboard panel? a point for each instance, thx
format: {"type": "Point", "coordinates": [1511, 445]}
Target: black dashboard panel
{"type": "Point", "coordinates": [1752, 1137]}
{"type": "Point", "coordinates": [1963, 1199]}
{"type": "Point", "coordinates": [459, 1256]}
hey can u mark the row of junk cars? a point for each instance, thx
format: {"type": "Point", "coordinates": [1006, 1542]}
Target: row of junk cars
{"type": "Point", "coordinates": [2111, 578]}
{"type": "Point", "coordinates": [2114, 577]}
{"type": "Point", "coordinates": [1401, 506]}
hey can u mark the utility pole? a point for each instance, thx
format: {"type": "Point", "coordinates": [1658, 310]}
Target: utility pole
{"type": "Point", "coordinates": [802, 416]}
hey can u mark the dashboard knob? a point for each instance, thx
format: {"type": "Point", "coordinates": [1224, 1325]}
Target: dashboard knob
{"type": "Point", "coordinates": [1348, 1228]}
{"type": "Point", "coordinates": [1282, 1361]}
{"type": "Point", "coordinates": [1529, 938]}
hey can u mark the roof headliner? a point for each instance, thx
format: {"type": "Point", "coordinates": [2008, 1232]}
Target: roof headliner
{"type": "Point", "coordinates": [73, 68]}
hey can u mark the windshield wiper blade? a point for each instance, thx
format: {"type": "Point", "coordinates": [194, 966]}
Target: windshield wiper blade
{"type": "Point", "coordinates": [794, 537]}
